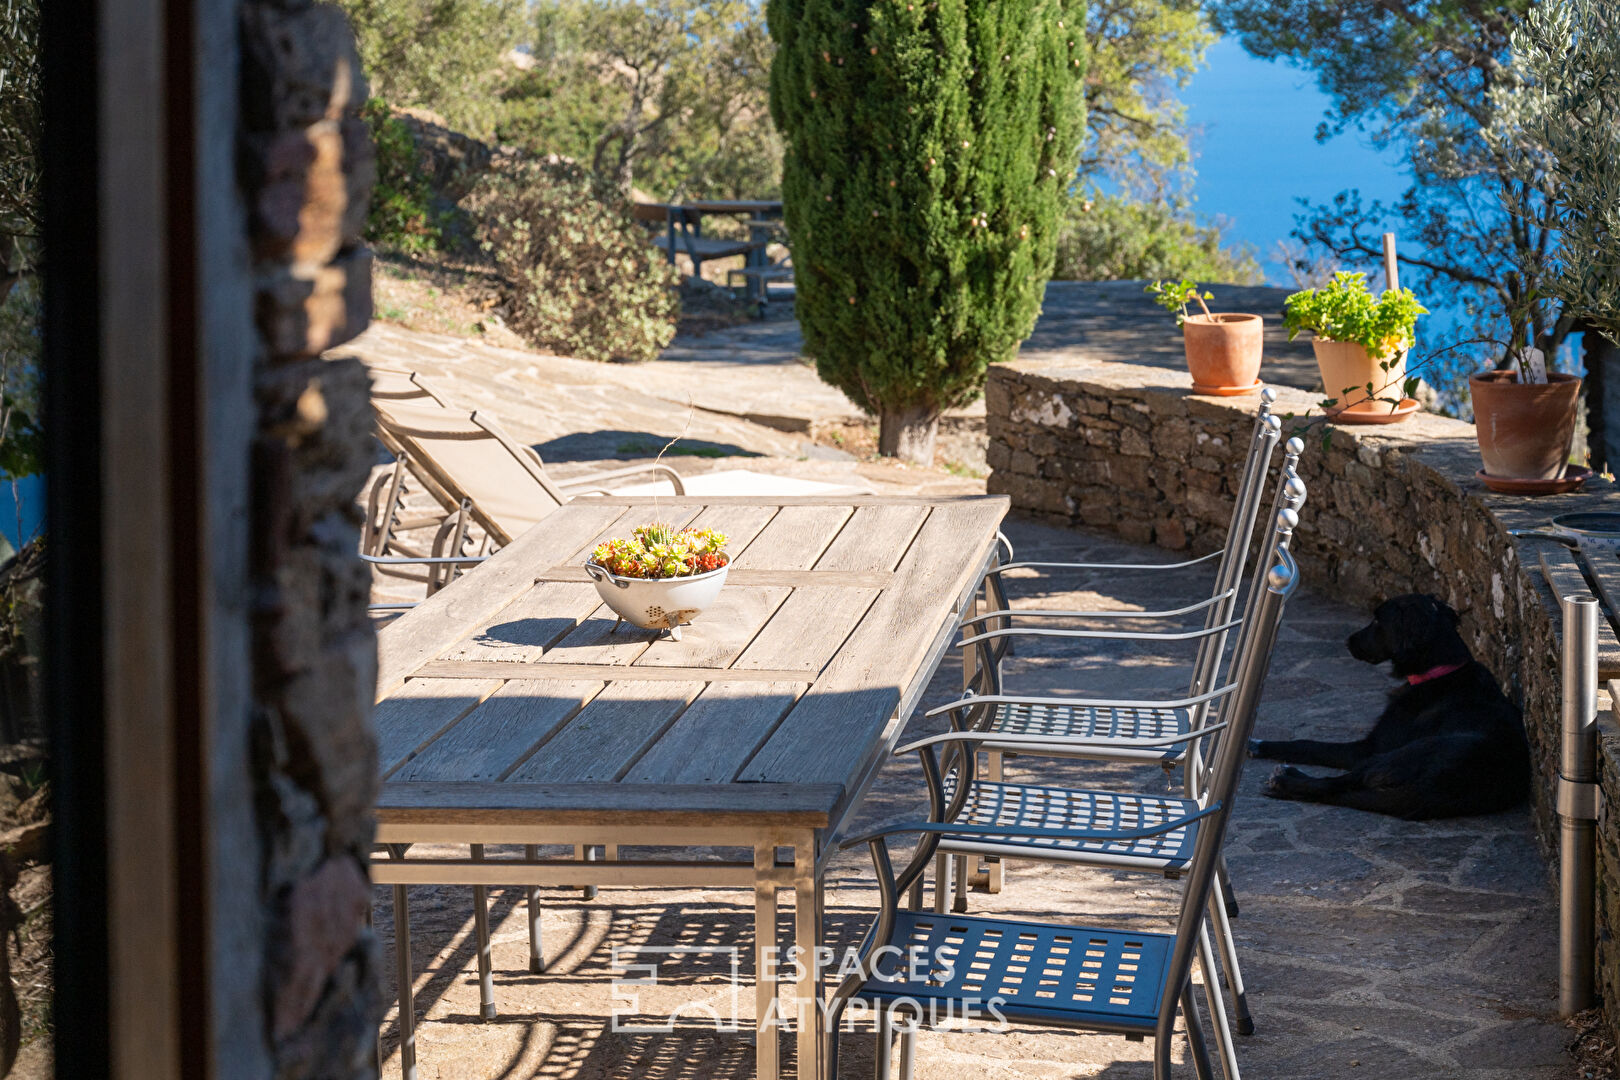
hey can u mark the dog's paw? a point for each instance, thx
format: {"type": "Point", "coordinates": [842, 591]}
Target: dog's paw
{"type": "Point", "coordinates": [1280, 784]}
{"type": "Point", "coordinates": [1255, 748]}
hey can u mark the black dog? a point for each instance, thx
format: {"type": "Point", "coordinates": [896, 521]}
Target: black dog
{"type": "Point", "coordinates": [1449, 744]}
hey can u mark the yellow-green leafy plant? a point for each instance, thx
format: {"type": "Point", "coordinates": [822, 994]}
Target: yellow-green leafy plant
{"type": "Point", "coordinates": [1343, 310]}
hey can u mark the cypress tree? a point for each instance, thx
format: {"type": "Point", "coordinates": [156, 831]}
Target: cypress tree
{"type": "Point", "coordinates": [929, 145]}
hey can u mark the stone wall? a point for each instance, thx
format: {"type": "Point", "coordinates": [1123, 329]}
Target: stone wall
{"type": "Point", "coordinates": [1391, 509]}
{"type": "Point", "coordinates": [306, 172]}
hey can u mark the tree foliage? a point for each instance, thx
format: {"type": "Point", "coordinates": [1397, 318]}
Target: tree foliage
{"type": "Point", "coordinates": [443, 55]}
{"type": "Point", "coordinates": [1140, 52]}
{"type": "Point", "coordinates": [1421, 76]}
{"type": "Point", "coordinates": [1557, 116]}
{"type": "Point", "coordinates": [669, 95]}
{"type": "Point", "coordinates": [21, 218]}
{"type": "Point", "coordinates": [583, 277]}
{"type": "Point", "coordinates": [1114, 238]}
{"type": "Point", "coordinates": [928, 149]}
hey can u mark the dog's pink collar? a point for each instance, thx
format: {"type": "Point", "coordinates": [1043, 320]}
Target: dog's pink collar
{"type": "Point", "coordinates": [1433, 673]}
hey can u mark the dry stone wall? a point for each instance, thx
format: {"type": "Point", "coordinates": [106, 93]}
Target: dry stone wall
{"type": "Point", "coordinates": [306, 173]}
{"type": "Point", "coordinates": [1391, 509]}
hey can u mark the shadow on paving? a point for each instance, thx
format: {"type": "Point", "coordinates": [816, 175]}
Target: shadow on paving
{"type": "Point", "coordinates": [1372, 947]}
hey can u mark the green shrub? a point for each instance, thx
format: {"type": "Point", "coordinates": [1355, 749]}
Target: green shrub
{"type": "Point", "coordinates": [402, 213]}
{"type": "Point", "coordinates": [1109, 238]}
{"type": "Point", "coordinates": [582, 277]}
{"type": "Point", "coordinates": [928, 147]}
{"type": "Point", "coordinates": [1343, 310]}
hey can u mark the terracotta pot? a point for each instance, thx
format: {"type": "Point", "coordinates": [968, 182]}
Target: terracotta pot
{"type": "Point", "coordinates": [1346, 370]}
{"type": "Point", "coordinates": [1223, 353]}
{"type": "Point", "coordinates": [1525, 430]}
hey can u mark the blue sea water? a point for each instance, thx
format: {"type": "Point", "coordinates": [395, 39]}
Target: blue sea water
{"type": "Point", "coordinates": [1254, 133]}
{"type": "Point", "coordinates": [31, 494]}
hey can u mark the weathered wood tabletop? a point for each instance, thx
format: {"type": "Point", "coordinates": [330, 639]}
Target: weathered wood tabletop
{"type": "Point", "coordinates": [515, 676]}
{"type": "Point", "coordinates": [510, 712]}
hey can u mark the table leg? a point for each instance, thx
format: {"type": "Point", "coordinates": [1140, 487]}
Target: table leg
{"type": "Point", "coordinates": [807, 936]}
{"type": "Point", "coordinates": [486, 974]}
{"type": "Point", "coordinates": [767, 1044]}
{"type": "Point", "coordinates": [531, 903]}
{"type": "Point", "coordinates": [407, 993]}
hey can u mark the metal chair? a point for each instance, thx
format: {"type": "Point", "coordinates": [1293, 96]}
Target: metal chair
{"type": "Point", "coordinates": [992, 802]}
{"type": "Point", "coordinates": [1053, 975]}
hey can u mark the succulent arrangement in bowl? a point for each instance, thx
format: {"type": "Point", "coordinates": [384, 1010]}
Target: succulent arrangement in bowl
{"type": "Point", "coordinates": [660, 577]}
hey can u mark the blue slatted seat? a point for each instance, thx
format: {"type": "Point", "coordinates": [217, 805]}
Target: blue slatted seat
{"type": "Point", "coordinates": [1108, 980]}
{"type": "Point", "coordinates": [1031, 806]}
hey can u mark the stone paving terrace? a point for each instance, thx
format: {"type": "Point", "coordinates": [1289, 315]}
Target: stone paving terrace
{"type": "Point", "coordinates": [1372, 946]}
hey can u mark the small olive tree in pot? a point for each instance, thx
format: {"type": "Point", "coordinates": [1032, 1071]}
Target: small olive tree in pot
{"type": "Point", "coordinates": [928, 147]}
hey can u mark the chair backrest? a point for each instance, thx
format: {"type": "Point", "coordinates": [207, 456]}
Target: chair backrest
{"type": "Point", "coordinates": [1239, 532]}
{"type": "Point", "coordinates": [471, 458]}
{"type": "Point", "coordinates": [397, 384]}
{"type": "Point", "coordinates": [1251, 663]}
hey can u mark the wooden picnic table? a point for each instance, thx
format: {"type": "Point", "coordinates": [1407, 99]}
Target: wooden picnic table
{"type": "Point", "coordinates": [510, 712]}
{"type": "Point", "coordinates": [683, 225]}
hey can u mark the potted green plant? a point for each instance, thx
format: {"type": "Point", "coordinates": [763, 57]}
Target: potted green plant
{"type": "Point", "coordinates": [660, 577]}
{"type": "Point", "coordinates": [1360, 344]}
{"type": "Point", "coordinates": [1223, 350]}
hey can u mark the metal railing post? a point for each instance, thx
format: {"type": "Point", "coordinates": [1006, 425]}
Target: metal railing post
{"type": "Point", "coordinates": [1577, 806]}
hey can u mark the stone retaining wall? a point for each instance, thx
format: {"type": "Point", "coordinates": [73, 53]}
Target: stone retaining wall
{"type": "Point", "coordinates": [1391, 509]}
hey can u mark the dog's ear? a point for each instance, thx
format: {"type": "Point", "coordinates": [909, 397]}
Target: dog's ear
{"type": "Point", "coordinates": [1448, 612]}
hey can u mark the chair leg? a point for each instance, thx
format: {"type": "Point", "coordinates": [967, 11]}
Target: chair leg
{"type": "Point", "coordinates": [1225, 884]}
{"type": "Point", "coordinates": [1242, 1022]}
{"type": "Point", "coordinates": [908, 1050]}
{"type": "Point", "coordinates": [942, 882]}
{"type": "Point", "coordinates": [997, 868]}
{"type": "Point", "coordinates": [486, 974]}
{"type": "Point", "coordinates": [1217, 1005]}
{"type": "Point", "coordinates": [1195, 1034]}
{"type": "Point", "coordinates": [885, 1044]}
{"type": "Point", "coordinates": [960, 882]}
{"type": "Point", "coordinates": [531, 904]}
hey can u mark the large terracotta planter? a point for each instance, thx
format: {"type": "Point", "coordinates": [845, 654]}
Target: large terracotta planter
{"type": "Point", "coordinates": [1525, 430]}
{"type": "Point", "coordinates": [1223, 353]}
{"type": "Point", "coordinates": [1346, 370]}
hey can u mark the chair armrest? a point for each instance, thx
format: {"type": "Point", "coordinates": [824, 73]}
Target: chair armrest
{"type": "Point", "coordinates": [938, 829]}
{"type": "Point", "coordinates": [1032, 565]}
{"type": "Point", "coordinates": [425, 560]}
{"type": "Point", "coordinates": [1102, 635]}
{"type": "Point", "coordinates": [595, 479]}
{"type": "Point", "coordinates": [1053, 614]}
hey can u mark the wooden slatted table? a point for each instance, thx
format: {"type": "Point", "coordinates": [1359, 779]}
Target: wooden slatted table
{"type": "Point", "coordinates": [510, 713]}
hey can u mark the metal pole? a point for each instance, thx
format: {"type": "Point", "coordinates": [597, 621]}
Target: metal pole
{"type": "Point", "coordinates": [1577, 806]}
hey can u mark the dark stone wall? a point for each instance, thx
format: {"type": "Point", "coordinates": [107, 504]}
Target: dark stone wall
{"type": "Point", "coordinates": [1391, 509]}
{"type": "Point", "coordinates": [305, 171]}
